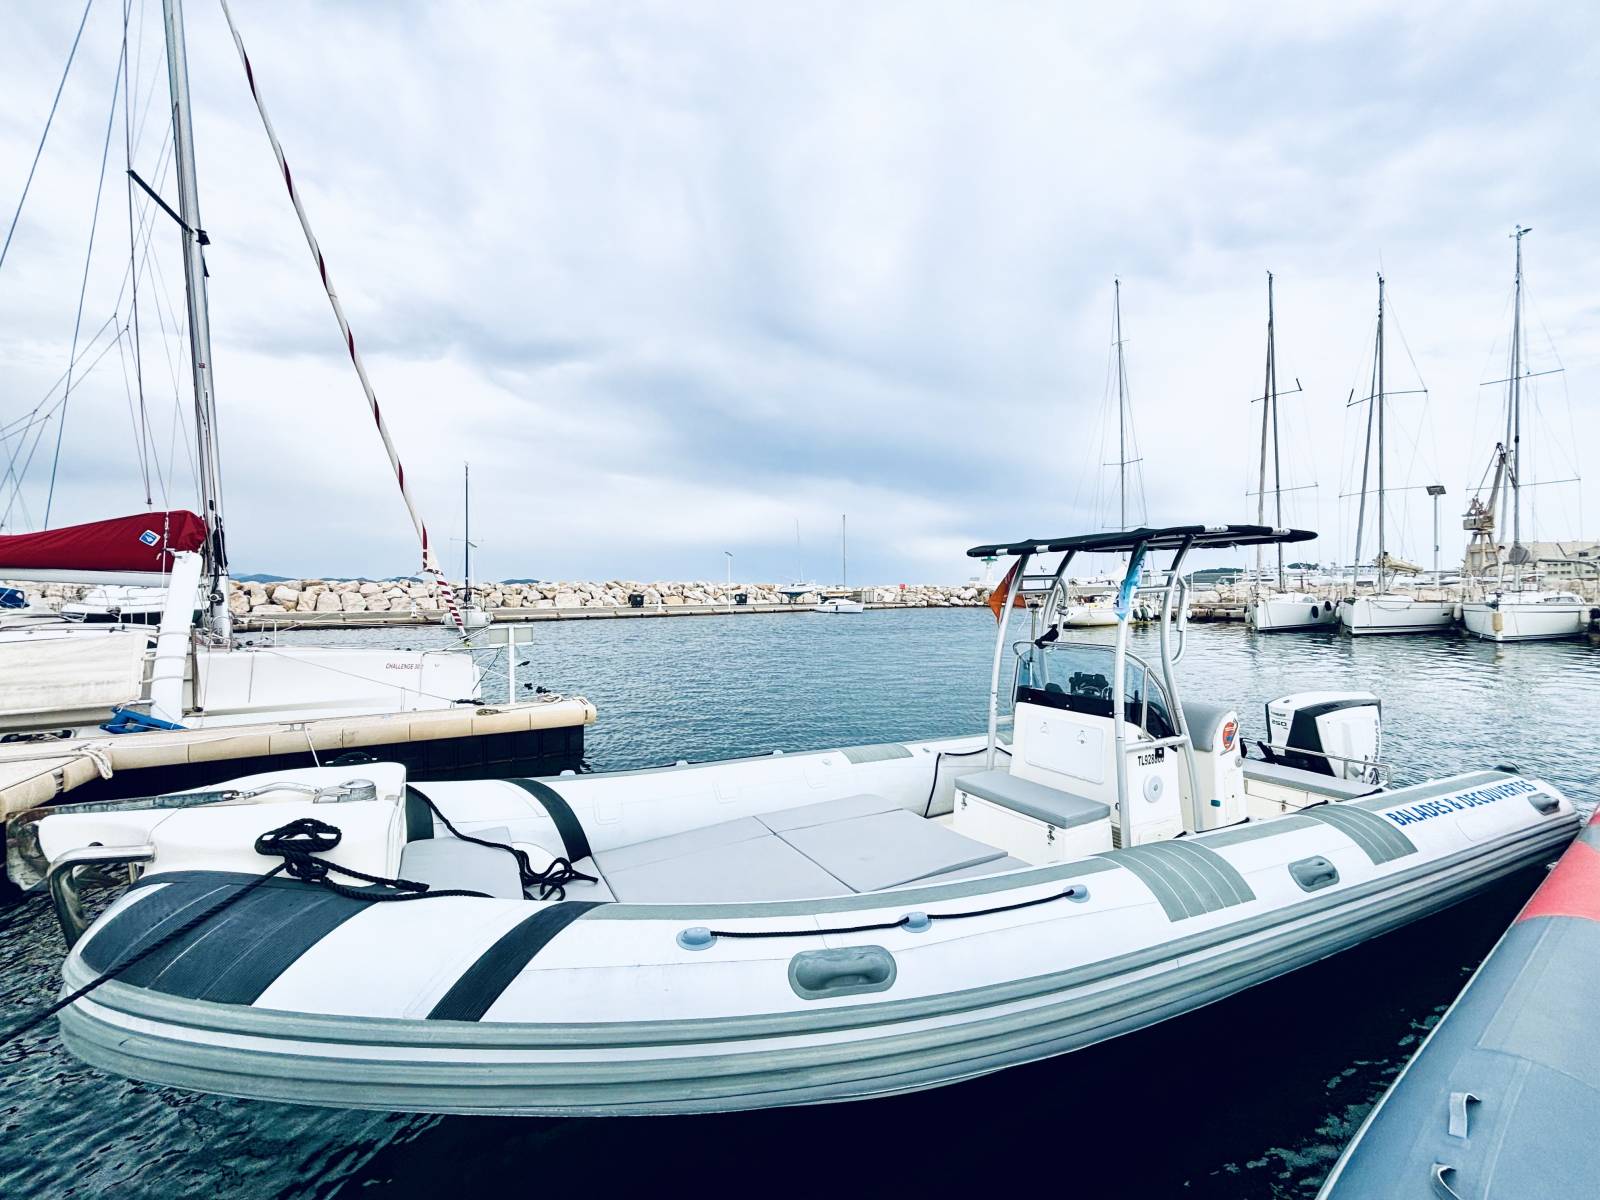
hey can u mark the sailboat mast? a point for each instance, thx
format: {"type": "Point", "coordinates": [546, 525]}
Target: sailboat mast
{"type": "Point", "coordinates": [194, 279]}
{"type": "Point", "coordinates": [1383, 548]}
{"type": "Point", "coordinates": [466, 529]}
{"type": "Point", "coordinates": [1516, 407]}
{"type": "Point", "coordinates": [1122, 418]}
{"type": "Point", "coordinates": [1272, 393]}
{"type": "Point", "coordinates": [844, 553]}
{"type": "Point", "coordinates": [1266, 394]}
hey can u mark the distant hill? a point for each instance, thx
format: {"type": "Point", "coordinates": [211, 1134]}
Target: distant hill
{"type": "Point", "coordinates": [260, 578]}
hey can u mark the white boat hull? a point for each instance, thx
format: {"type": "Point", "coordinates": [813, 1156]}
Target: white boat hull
{"type": "Point", "coordinates": [1395, 614]}
{"type": "Point", "coordinates": [1280, 613]}
{"type": "Point", "coordinates": [840, 606]}
{"type": "Point", "coordinates": [1089, 616]}
{"type": "Point", "coordinates": [575, 1008]}
{"type": "Point", "coordinates": [1513, 621]}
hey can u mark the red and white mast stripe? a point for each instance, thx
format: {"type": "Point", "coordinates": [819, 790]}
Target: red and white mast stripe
{"type": "Point", "coordinates": [430, 565]}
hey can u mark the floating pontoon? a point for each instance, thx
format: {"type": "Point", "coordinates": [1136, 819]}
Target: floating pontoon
{"type": "Point", "coordinates": [790, 929]}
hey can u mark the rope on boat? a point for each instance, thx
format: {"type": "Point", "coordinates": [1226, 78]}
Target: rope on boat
{"type": "Point", "coordinates": [296, 843]}
{"type": "Point", "coordinates": [430, 565]}
{"type": "Point", "coordinates": [551, 881]}
{"type": "Point", "coordinates": [1076, 891]}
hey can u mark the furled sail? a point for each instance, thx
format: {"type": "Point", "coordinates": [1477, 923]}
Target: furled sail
{"type": "Point", "coordinates": [140, 545]}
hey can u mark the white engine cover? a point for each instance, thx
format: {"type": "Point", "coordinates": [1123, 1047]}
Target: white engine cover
{"type": "Point", "coordinates": [1341, 733]}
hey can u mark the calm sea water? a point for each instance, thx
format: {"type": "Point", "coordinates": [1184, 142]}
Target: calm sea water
{"type": "Point", "coordinates": [1252, 1097]}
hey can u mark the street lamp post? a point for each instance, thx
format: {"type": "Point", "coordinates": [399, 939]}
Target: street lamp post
{"type": "Point", "coordinates": [1436, 490]}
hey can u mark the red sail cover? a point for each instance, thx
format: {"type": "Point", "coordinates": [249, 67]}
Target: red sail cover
{"type": "Point", "coordinates": [143, 542]}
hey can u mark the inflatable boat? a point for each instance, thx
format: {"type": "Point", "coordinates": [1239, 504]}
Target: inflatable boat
{"type": "Point", "coordinates": [789, 929]}
{"type": "Point", "coordinates": [1494, 1103]}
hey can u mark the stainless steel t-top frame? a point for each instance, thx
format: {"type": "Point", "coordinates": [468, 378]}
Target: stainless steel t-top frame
{"type": "Point", "coordinates": [1136, 544]}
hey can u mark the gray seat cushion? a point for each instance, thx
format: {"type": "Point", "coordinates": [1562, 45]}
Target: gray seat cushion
{"type": "Point", "coordinates": [887, 849]}
{"type": "Point", "coordinates": [826, 811]}
{"type": "Point", "coordinates": [759, 868]}
{"type": "Point", "coordinates": [446, 862]}
{"type": "Point", "coordinates": [1307, 781]}
{"type": "Point", "coordinates": [1036, 800]}
{"type": "Point", "coordinates": [1203, 719]}
{"type": "Point", "coordinates": [680, 845]}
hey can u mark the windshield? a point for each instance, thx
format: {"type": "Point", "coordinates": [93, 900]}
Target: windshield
{"type": "Point", "coordinates": [1077, 676]}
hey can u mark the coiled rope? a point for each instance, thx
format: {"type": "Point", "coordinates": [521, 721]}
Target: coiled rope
{"type": "Point", "coordinates": [551, 881]}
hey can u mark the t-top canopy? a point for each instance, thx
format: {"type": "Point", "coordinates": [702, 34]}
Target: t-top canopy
{"type": "Point", "coordinates": [1171, 537]}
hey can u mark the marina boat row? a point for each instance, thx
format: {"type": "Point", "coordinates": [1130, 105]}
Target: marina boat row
{"type": "Point", "coordinates": [791, 929]}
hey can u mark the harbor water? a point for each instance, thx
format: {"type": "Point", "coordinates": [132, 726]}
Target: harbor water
{"type": "Point", "coordinates": [1252, 1097]}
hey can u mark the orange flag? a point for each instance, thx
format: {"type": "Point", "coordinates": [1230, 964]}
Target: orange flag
{"type": "Point", "coordinates": [997, 598]}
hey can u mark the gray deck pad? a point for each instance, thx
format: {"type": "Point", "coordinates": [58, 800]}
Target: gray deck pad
{"type": "Point", "coordinates": [1187, 878]}
{"type": "Point", "coordinates": [884, 850]}
{"type": "Point", "coordinates": [1381, 841]}
{"type": "Point", "coordinates": [758, 868]}
{"type": "Point", "coordinates": [1306, 781]}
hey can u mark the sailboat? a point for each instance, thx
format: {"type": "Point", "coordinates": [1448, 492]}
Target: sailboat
{"type": "Point", "coordinates": [1385, 610]}
{"type": "Point", "coordinates": [1278, 607]}
{"type": "Point", "coordinates": [841, 599]}
{"type": "Point", "coordinates": [66, 681]}
{"type": "Point", "coordinates": [472, 614]}
{"type": "Point", "coordinates": [1093, 603]}
{"type": "Point", "coordinates": [1513, 609]}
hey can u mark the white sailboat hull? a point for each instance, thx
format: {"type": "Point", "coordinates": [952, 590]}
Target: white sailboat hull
{"type": "Point", "coordinates": [1089, 616]}
{"type": "Point", "coordinates": [1291, 611]}
{"type": "Point", "coordinates": [840, 606]}
{"type": "Point", "coordinates": [1395, 614]}
{"type": "Point", "coordinates": [1512, 620]}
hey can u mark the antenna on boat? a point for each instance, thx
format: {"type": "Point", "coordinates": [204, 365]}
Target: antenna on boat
{"type": "Point", "coordinates": [1269, 421]}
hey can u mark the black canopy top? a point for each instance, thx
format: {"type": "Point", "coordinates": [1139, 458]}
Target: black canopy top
{"type": "Point", "coordinates": [1171, 537]}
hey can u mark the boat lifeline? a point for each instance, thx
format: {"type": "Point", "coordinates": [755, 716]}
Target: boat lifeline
{"type": "Point", "coordinates": [1487, 1106]}
{"type": "Point", "coordinates": [791, 929]}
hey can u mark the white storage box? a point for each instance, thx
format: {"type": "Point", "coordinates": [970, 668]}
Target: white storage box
{"type": "Point", "coordinates": [1036, 823]}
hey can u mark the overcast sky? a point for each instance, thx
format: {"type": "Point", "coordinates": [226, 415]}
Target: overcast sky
{"type": "Point", "coordinates": [675, 276]}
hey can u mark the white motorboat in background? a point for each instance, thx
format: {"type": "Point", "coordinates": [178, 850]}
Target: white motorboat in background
{"type": "Point", "coordinates": [1386, 610]}
{"type": "Point", "coordinates": [790, 929]}
{"type": "Point", "coordinates": [1090, 605]}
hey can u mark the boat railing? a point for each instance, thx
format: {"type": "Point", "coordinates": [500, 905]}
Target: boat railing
{"type": "Point", "coordinates": [66, 869]}
{"type": "Point", "coordinates": [1373, 772]}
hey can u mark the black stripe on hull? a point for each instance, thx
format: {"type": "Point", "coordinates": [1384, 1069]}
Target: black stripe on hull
{"type": "Point", "coordinates": [232, 956]}
{"type": "Point", "coordinates": [476, 991]}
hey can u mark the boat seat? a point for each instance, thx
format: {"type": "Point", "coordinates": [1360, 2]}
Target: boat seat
{"type": "Point", "coordinates": [1037, 800]}
{"type": "Point", "coordinates": [1203, 719]}
{"type": "Point", "coordinates": [1306, 781]}
{"type": "Point", "coordinates": [446, 862]}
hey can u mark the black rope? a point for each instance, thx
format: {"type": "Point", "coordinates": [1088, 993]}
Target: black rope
{"type": "Point", "coordinates": [1075, 892]}
{"type": "Point", "coordinates": [44, 1014]}
{"type": "Point", "coordinates": [940, 757]}
{"type": "Point", "coordinates": [551, 881]}
{"type": "Point", "coordinates": [299, 841]}
{"type": "Point", "coordinates": [296, 843]}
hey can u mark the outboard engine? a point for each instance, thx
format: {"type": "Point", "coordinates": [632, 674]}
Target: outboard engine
{"type": "Point", "coordinates": [1329, 733]}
